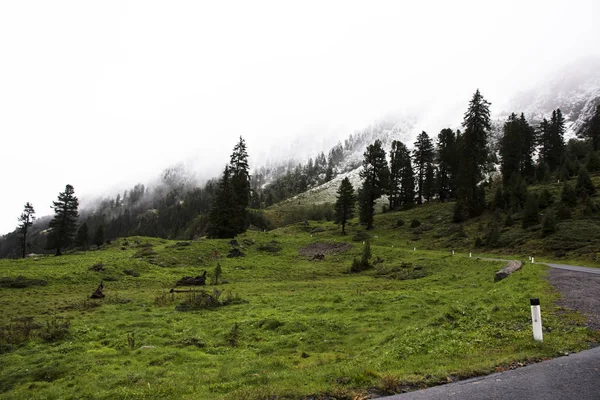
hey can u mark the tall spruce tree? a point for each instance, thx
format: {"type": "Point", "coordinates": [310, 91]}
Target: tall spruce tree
{"type": "Point", "coordinates": [240, 182]}
{"type": "Point", "coordinates": [447, 161]}
{"type": "Point", "coordinates": [25, 221]}
{"type": "Point", "coordinates": [429, 183]}
{"type": "Point", "coordinates": [552, 142]}
{"type": "Point", "coordinates": [422, 158]}
{"type": "Point", "coordinates": [511, 150]}
{"type": "Point", "coordinates": [64, 224]}
{"type": "Point", "coordinates": [474, 154]}
{"type": "Point", "coordinates": [99, 236]}
{"type": "Point", "coordinates": [407, 179]}
{"type": "Point", "coordinates": [528, 143]}
{"type": "Point", "coordinates": [222, 221]}
{"type": "Point", "coordinates": [396, 153]}
{"type": "Point", "coordinates": [344, 205]}
{"type": "Point", "coordinates": [591, 129]}
{"type": "Point", "coordinates": [375, 175]}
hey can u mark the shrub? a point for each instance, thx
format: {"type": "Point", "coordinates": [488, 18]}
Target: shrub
{"type": "Point", "coordinates": [568, 195]}
{"type": "Point", "coordinates": [400, 222]}
{"type": "Point", "coordinates": [20, 282]}
{"type": "Point", "coordinates": [549, 223]}
{"type": "Point", "coordinates": [363, 263]}
{"type": "Point", "coordinates": [361, 236]}
{"type": "Point", "coordinates": [530, 212]}
{"type": "Point", "coordinates": [545, 198]}
{"type": "Point", "coordinates": [217, 274]}
{"type": "Point", "coordinates": [563, 211]}
{"type": "Point", "coordinates": [131, 272]}
{"type": "Point", "coordinates": [584, 187]}
{"type": "Point", "coordinates": [415, 223]}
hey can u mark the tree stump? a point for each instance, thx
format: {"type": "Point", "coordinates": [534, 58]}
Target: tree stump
{"type": "Point", "coordinates": [98, 293]}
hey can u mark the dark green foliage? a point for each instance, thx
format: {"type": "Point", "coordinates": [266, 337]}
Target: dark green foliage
{"type": "Point", "coordinates": [516, 147]}
{"type": "Point", "coordinates": [545, 198]}
{"type": "Point", "coordinates": [63, 226]}
{"type": "Point", "coordinates": [568, 195]}
{"type": "Point", "coordinates": [499, 202]}
{"type": "Point", "coordinates": [415, 223]}
{"type": "Point", "coordinates": [240, 183]}
{"type": "Point", "coordinates": [222, 217]}
{"type": "Point", "coordinates": [375, 175]}
{"type": "Point", "coordinates": [429, 186]}
{"type": "Point", "coordinates": [530, 212]}
{"type": "Point", "coordinates": [549, 223]}
{"type": "Point", "coordinates": [448, 160]}
{"type": "Point", "coordinates": [591, 129]}
{"type": "Point", "coordinates": [474, 154]}
{"type": "Point", "coordinates": [99, 236]}
{"type": "Point", "coordinates": [563, 211]}
{"type": "Point", "coordinates": [518, 193]}
{"type": "Point", "coordinates": [459, 213]}
{"type": "Point", "coordinates": [402, 184]}
{"type": "Point", "coordinates": [584, 187]}
{"type": "Point", "coordinates": [493, 235]}
{"type": "Point", "coordinates": [542, 172]}
{"type": "Point", "coordinates": [593, 162]}
{"type": "Point", "coordinates": [422, 160]}
{"type": "Point", "coordinates": [400, 222]}
{"type": "Point", "coordinates": [344, 205]}
{"type": "Point", "coordinates": [258, 219]}
{"type": "Point", "coordinates": [313, 212]}
{"type": "Point", "coordinates": [363, 263]}
{"type": "Point", "coordinates": [83, 237]}
{"type": "Point", "coordinates": [551, 138]}
{"type": "Point", "coordinates": [217, 274]}
{"type": "Point", "coordinates": [233, 336]}
{"type": "Point", "coordinates": [25, 221]}
{"type": "Point", "coordinates": [508, 221]}
{"type": "Point", "coordinates": [20, 282]}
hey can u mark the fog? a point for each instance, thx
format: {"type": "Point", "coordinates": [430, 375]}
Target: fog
{"type": "Point", "coordinates": [102, 95]}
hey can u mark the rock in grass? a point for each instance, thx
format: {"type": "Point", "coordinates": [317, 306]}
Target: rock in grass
{"type": "Point", "coordinates": [511, 267]}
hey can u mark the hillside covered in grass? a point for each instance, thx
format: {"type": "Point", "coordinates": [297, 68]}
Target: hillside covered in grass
{"type": "Point", "coordinates": [285, 319]}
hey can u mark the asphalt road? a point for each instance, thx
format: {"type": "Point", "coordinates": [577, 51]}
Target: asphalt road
{"type": "Point", "coordinates": [576, 376]}
{"type": "Point", "coordinates": [574, 268]}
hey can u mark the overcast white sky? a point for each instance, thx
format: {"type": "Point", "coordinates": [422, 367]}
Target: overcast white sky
{"type": "Point", "coordinates": [104, 94]}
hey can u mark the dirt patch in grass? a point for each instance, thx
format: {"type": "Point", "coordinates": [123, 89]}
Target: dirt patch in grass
{"type": "Point", "coordinates": [580, 292]}
{"type": "Point", "coordinates": [324, 248]}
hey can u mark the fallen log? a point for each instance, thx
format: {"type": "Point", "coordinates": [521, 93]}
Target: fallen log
{"type": "Point", "coordinates": [511, 267]}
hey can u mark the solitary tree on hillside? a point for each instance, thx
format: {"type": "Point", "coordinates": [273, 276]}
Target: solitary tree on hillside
{"type": "Point", "coordinates": [64, 224]}
{"type": "Point", "coordinates": [423, 159]}
{"type": "Point", "coordinates": [375, 175]}
{"type": "Point", "coordinates": [240, 183]}
{"type": "Point", "coordinates": [25, 221]}
{"type": "Point", "coordinates": [344, 205]}
{"type": "Point", "coordinates": [474, 156]}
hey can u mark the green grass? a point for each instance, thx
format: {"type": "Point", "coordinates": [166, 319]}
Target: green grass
{"type": "Point", "coordinates": [305, 328]}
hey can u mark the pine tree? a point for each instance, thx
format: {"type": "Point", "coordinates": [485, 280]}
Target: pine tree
{"type": "Point", "coordinates": [344, 205]}
{"type": "Point", "coordinates": [25, 221]}
{"type": "Point", "coordinates": [447, 161]}
{"type": "Point", "coordinates": [375, 175]}
{"type": "Point", "coordinates": [474, 153]}
{"type": "Point", "coordinates": [584, 187]}
{"type": "Point", "coordinates": [429, 183]}
{"type": "Point", "coordinates": [516, 147]}
{"type": "Point", "coordinates": [99, 236]}
{"type": "Point", "coordinates": [222, 215]}
{"type": "Point", "coordinates": [401, 185]}
{"type": "Point", "coordinates": [530, 212]}
{"type": "Point", "coordinates": [422, 158]}
{"type": "Point", "coordinates": [593, 162]}
{"type": "Point", "coordinates": [552, 139]}
{"type": "Point", "coordinates": [240, 182]}
{"type": "Point", "coordinates": [64, 224]}
{"type": "Point", "coordinates": [568, 195]}
{"type": "Point", "coordinates": [82, 238]}
{"type": "Point", "coordinates": [528, 143]}
{"type": "Point", "coordinates": [591, 129]}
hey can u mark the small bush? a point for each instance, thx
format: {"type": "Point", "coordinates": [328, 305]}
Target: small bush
{"type": "Point", "coordinates": [201, 299]}
{"type": "Point", "coordinates": [400, 222]}
{"type": "Point", "coordinates": [20, 282]}
{"type": "Point", "coordinates": [270, 247]}
{"type": "Point", "coordinates": [549, 223]}
{"type": "Point", "coordinates": [131, 272]}
{"type": "Point", "coordinates": [415, 223]}
{"type": "Point", "coordinates": [361, 236]}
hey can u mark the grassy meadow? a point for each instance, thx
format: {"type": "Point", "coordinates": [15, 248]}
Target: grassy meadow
{"type": "Point", "coordinates": [292, 327]}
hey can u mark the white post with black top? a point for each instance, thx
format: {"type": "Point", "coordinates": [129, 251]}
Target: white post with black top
{"type": "Point", "coordinates": [536, 318]}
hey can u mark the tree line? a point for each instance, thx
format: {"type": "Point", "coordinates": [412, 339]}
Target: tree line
{"type": "Point", "coordinates": [457, 166]}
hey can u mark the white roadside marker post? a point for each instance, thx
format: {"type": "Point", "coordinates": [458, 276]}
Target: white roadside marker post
{"type": "Point", "coordinates": [533, 260]}
{"type": "Point", "coordinates": [452, 252]}
{"type": "Point", "coordinates": [414, 249]}
{"type": "Point", "coordinates": [536, 318]}
{"type": "Point", "coordinates": [470, 255]}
